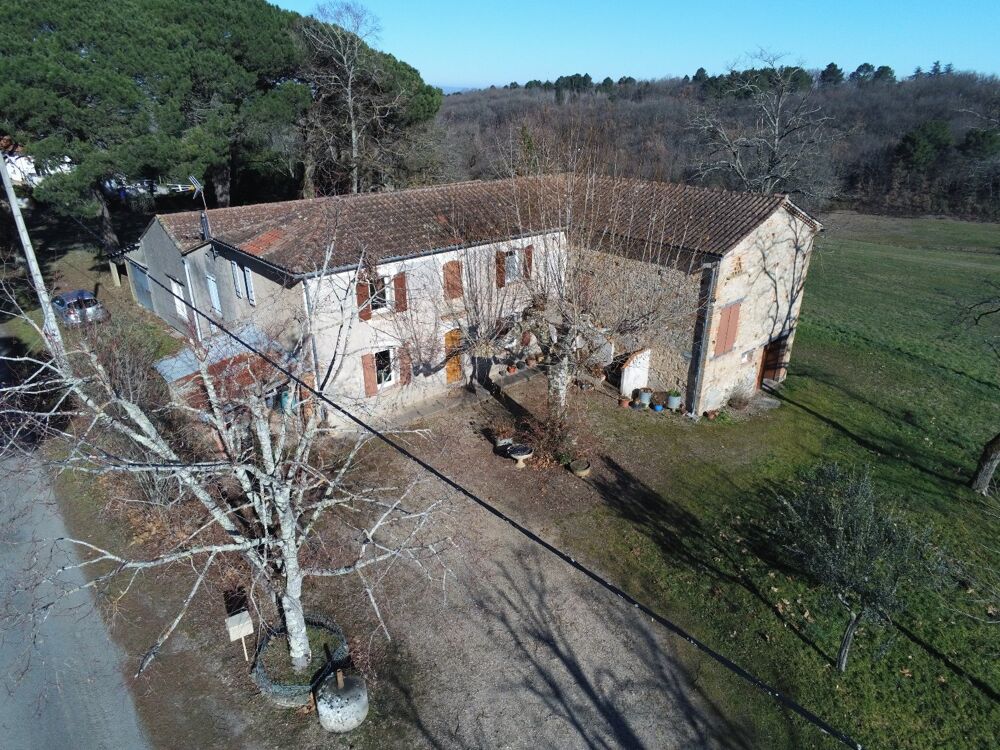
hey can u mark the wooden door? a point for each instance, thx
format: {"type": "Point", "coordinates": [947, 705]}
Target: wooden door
{"type": "Point", "coordinates": [772, 364]}
{"type": "Point", "coordinates": [453, 356]}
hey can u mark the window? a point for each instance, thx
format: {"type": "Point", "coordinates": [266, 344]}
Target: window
{"type": "Point", "coordinates": [383, 367]}
{"type": "Point", "coordinates": [213, 293]}
{"type": "Point", "coordinates": [512, 265]}
{"type": "Point", "coordinates": [237, 281]}
{"type": "Point", "coordinates": [248, 281]}
{"type": "Point", "coordinates": [378, 293]}
{"type": "Point", "coordinates": [177, 289]}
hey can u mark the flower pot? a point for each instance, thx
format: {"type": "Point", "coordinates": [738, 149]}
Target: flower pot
{"type": "Point", "coordinates": [657, 407]}
{"type": "Point", "coordinates": [623, 403]}
{"type": "Point", "coordinates": [531, 361]}
{"type": "Point", "coordinates": [674, 402]}
{"type": "Point", "coordinates": [520, 364]}
{"type": "Point", "coordinates": [580, 467]}
{"type": "Point", "coordinates": [645, 396]}
{"type": "Point", "coordinates": [511, 369]}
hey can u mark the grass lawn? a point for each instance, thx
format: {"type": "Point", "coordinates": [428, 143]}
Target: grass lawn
{"type": "Point", "coordinates": [885, 375]}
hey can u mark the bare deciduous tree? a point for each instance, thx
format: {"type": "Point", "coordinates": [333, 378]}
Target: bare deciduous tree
{"type": "Point", "coordinates": [775, 140]}
{"type": "Point", "coordinates": [218, 469]}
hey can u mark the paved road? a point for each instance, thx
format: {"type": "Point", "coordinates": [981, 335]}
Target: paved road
{"type": "Point", "coordinates": [73, 695]}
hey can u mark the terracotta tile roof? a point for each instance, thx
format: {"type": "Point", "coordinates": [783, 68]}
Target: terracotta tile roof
{"type": "Point", "coordinates": [295, 235]}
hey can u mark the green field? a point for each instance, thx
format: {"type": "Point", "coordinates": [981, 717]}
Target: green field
{"type": "Point", "coordinates": [887, 374]}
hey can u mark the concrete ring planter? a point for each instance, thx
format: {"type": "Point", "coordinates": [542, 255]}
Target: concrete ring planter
{"type": "Point", "coordinates": [580, 467]}
{"type": "Point", "coordinates": [297, 695]}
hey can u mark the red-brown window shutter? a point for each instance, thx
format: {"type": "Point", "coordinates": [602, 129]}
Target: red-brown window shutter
{"type": "Point", "coordinates": [405, 363]}
{"type": "Point", "coordinates": [399, 292]}
{"type": "Point", "coordinates": [368, 368]}
{"type": "Point", "coordinates": [734, 322]}
{"type": "Point", "coordinates": [729, 320]}
{"type": "Point", "coordinates": [364, 308]}
{"type": "Point", "coordinates": [453, 279]}
{"type": "Point", "coordinates": [526, 260]}
{"type": "Point", "coordinates": [501, 269]}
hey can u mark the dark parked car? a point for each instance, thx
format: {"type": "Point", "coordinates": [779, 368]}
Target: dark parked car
{"type": "Point", "coordinates": [79, 308]}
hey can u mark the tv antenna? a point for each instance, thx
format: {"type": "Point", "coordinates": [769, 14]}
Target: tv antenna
{"type": "Point", "coordinates": [199, 190]}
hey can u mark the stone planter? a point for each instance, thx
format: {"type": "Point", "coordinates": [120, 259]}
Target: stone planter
{"type": "Point", "coordinates": [342, 702]}
{"type": "Point", "coordinates": [673, 402]}
{"type": "Point", "coordinates": [297, 695]}
{"type": "Point", "coordinates": [580, 467]}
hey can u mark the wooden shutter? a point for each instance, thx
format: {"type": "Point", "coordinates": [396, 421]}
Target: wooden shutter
{"type": "Point", "coordinates": [453, 279]}
{"type": "Point", "coordinates": [729, 320]}
{"type": "Point", "coordinates": [364, 305]}
{"type": "Point", "coordinates": [368, 368]}
{"type": "Point", "coordinates": [734, 322]}
{"type": "Point", "coordinates": [526, 260]}
{"type": "Point", "coordinates": [405, 363]}
{"type": "Point", "coordinates": [501, 269]}
{"type": "Point", "coordinates": [399, 292]}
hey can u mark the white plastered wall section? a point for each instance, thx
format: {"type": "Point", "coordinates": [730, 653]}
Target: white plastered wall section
{"type": "Point", "coordinates": [342, 338]}
{"type": "Point", "coordinates": [765, 273]}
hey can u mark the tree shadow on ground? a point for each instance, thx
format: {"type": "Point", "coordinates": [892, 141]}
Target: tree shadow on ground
{"type": "Point", "coordinates": [882, 446]}
{"type": "Point", "coordinates": [684, 539]}
{"type": "Point", "coordinates": [557, 690]}
{"type": "Point", "coordinates": [982, 686]}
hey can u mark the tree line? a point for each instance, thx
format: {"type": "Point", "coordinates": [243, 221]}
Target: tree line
{"type": "Point", "coordinates": [924, 143]}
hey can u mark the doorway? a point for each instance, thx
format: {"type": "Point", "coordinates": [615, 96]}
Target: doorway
{"type": "Point", "coordinates": [453, 356]}
{"type": "Point", "coordinates": [773, 361]}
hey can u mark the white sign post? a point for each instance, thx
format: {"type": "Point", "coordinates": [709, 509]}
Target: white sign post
{"type": "Point", "coordinates": [240, 626]}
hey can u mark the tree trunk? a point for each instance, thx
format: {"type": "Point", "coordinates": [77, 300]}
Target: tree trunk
{"type": "Point", "coordinates": [222, 184]}
{"type": "Point", "coordinates": [988, 463]}
{"type": "Point", "coordinates": [299, 650]}
{"type": "Point", "coordinates": [109, 237]}
{"type": "Point", "coordinates": [848, 639]}
{"type": "Point", "coordinates": [558, 381]}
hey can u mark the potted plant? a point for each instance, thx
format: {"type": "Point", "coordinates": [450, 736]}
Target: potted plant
{"type": "Point", "coordinates": [645, 396]}
{"type": "Point", "coordinates": [580, 467]}
{"type": "Point", "coordinates": [623, 402]}
{"type": "Point", "coordinates": [511, 369]}
{"type": "Point", "coordinates": [673, 399]}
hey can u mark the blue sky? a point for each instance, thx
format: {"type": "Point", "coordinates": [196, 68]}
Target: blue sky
{"type": "Point", "coordinates": [471, 43]}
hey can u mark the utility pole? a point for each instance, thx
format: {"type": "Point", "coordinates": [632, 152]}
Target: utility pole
{"type": "Point", "coordinates": [53, 337]}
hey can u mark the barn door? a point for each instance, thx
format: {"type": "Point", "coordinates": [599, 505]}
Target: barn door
{"type": "Point", "coordinates": [453, 356]}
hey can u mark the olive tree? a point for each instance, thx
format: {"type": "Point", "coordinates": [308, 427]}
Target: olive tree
{"type": "Point", "coordinates": [837, 530]}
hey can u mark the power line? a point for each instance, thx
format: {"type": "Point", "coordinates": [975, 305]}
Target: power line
{"type": "Point", "coordinates": [758, 683]}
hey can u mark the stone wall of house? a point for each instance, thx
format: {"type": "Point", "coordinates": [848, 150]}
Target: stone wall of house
{"type": "Point", "coordinates": [765, 275]}
{"type": "Point", "coordinates": [344, 338]}
{"type": "Point", "coordinates": [669, 293]}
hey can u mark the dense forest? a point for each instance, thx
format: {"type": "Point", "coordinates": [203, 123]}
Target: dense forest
{"type": "Point", "coordinates": [928, 143]}
{"type": "Point", "coordinates": [256, 102]}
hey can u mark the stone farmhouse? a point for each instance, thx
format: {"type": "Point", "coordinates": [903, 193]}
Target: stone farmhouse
{"type": "Point", "coordinates": [379, 294]}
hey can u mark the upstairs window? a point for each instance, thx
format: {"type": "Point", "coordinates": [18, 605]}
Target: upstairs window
{"type": "Point", "coordinates": [383, 367]}
{"type": "Point", "coordinates": [378, 293]}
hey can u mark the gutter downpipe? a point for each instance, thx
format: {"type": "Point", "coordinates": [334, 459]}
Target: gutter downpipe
{"type": "Point", "coordinates": [706, 325]}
